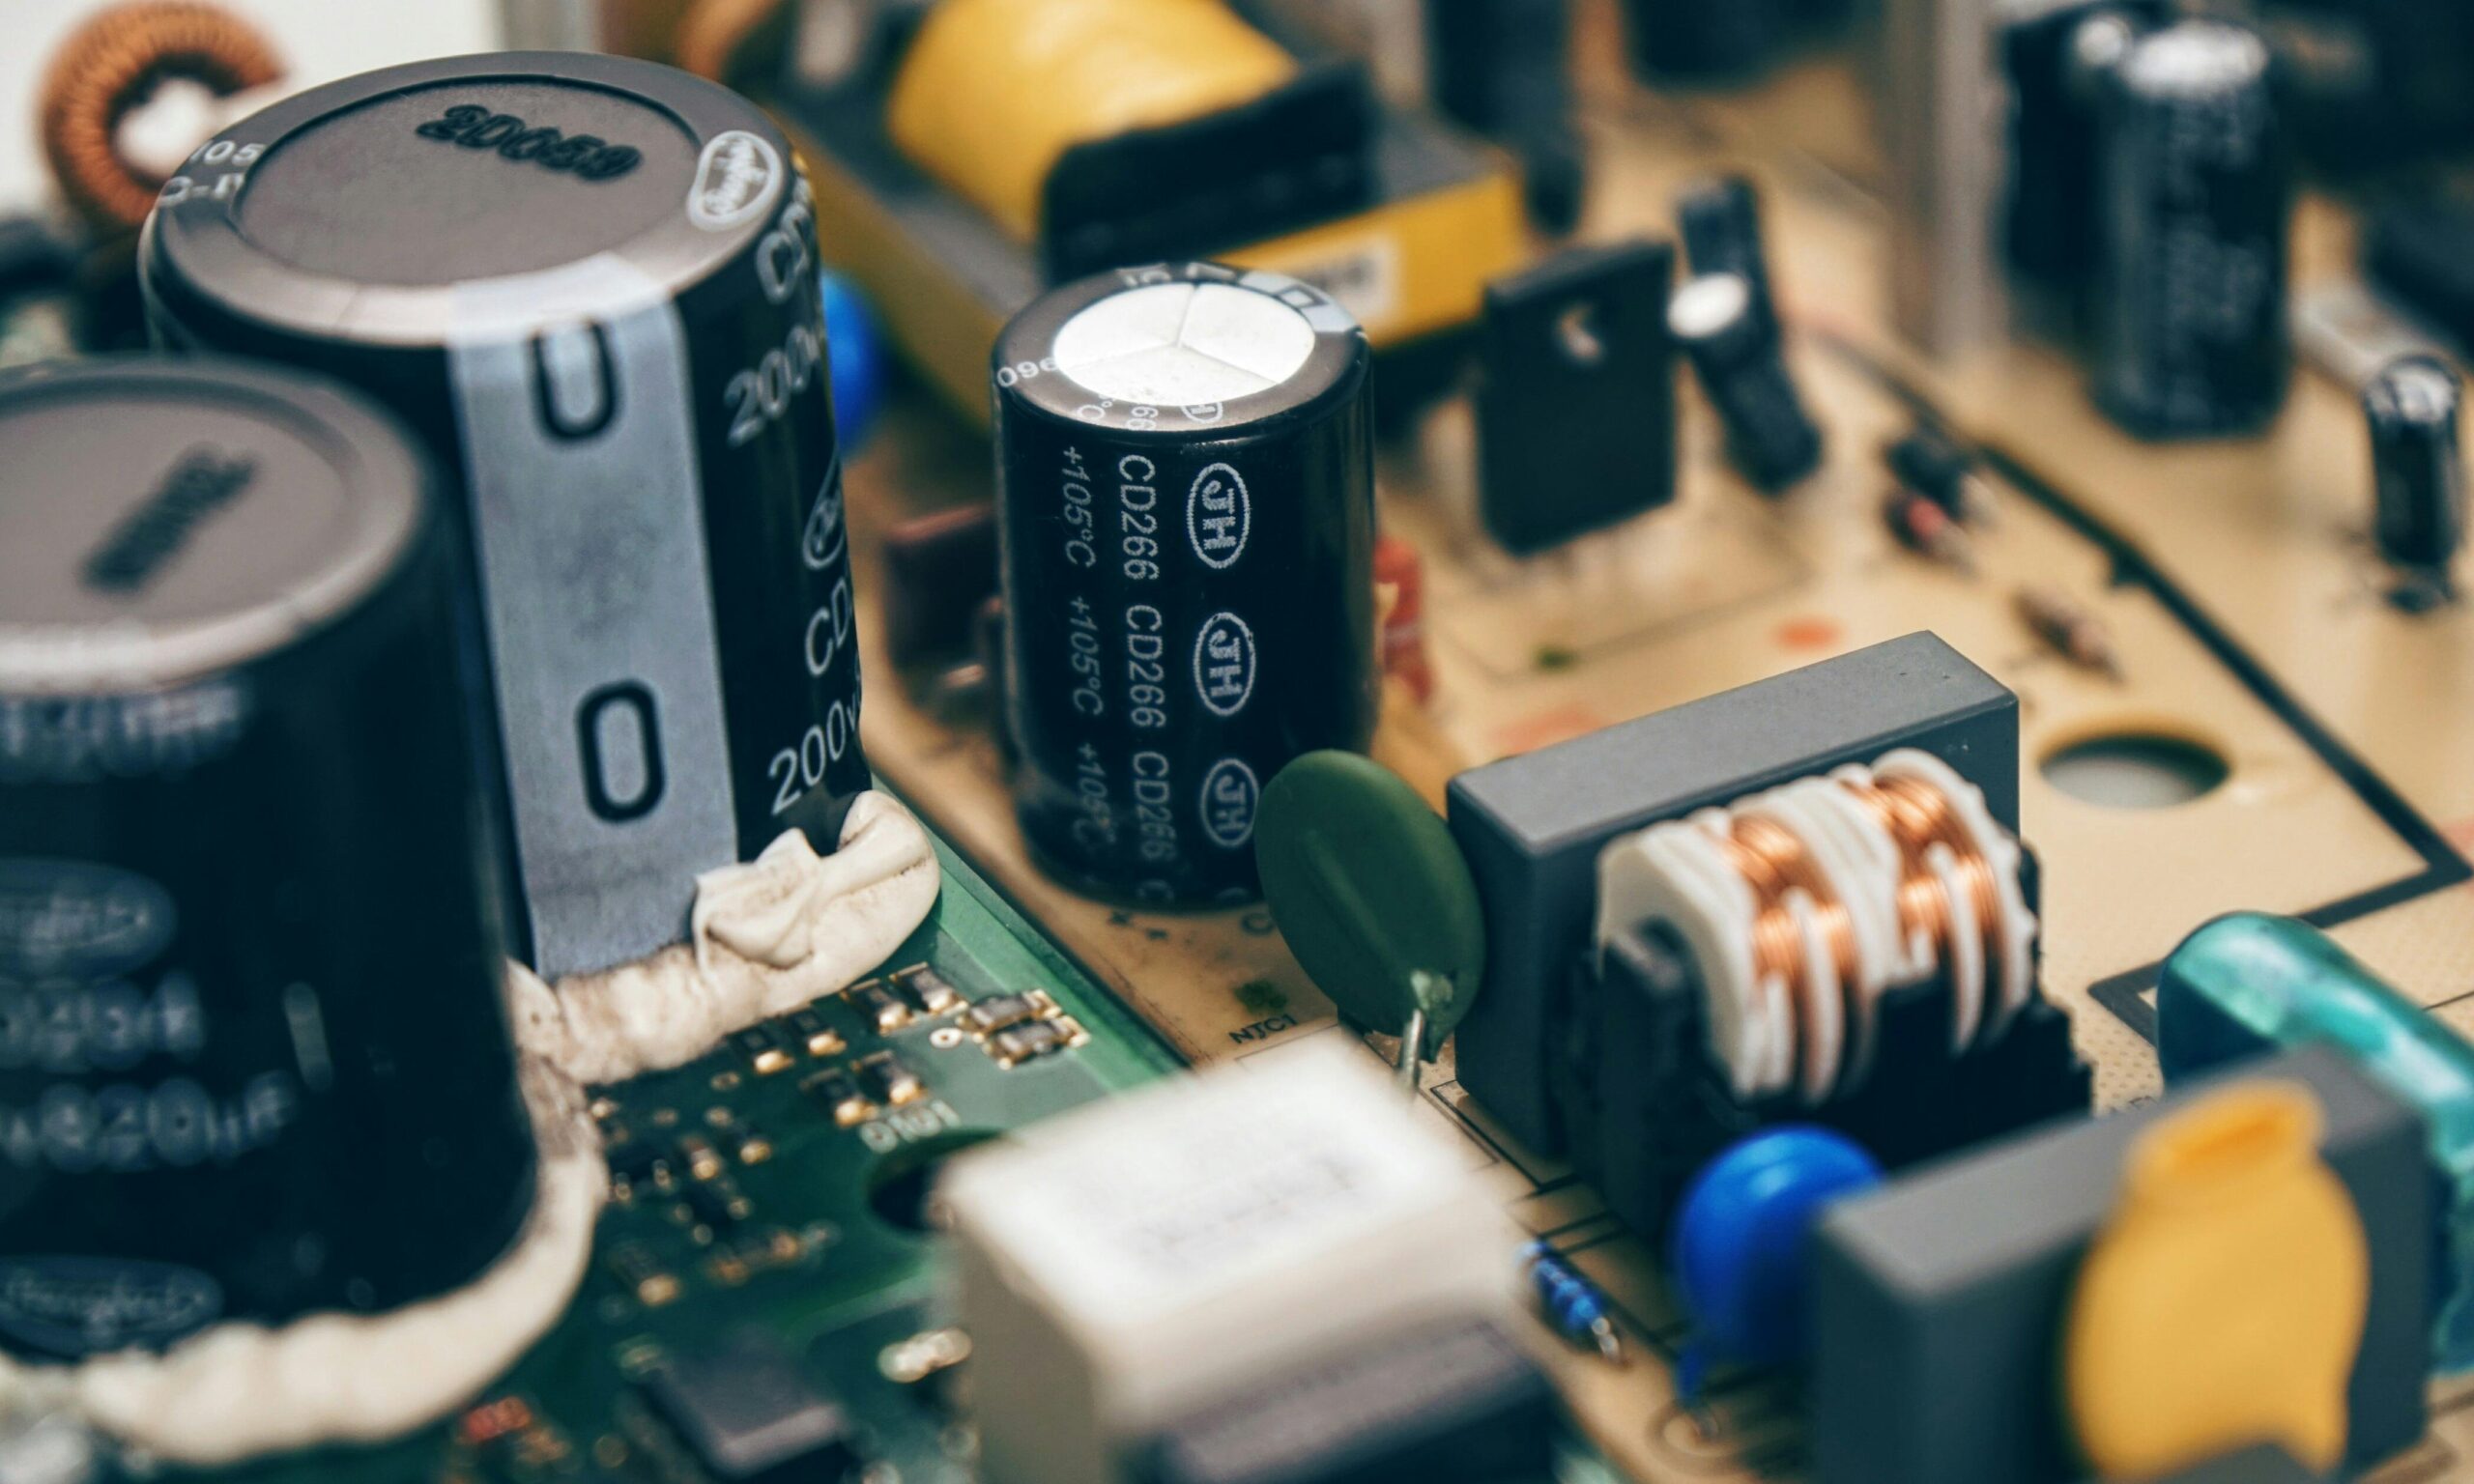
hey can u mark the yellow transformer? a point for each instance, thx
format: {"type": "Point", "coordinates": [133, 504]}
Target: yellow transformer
{"type": "Point", "coordinates": [997, 147]}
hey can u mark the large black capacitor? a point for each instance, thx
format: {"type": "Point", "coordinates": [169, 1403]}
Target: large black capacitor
{"type": "Point", "coordinates": [2053, 56]}
{"type": "Point", "coordinates": [590, 283]}
{"type": "Point", "coordinates": [2194, 185]}
{"type": "Point", "coordinates": [253, 1055]}
{"type": "Point", "coordinates": [2418, 468]}
{"type": "Point", "coordinates": [1186, 487]}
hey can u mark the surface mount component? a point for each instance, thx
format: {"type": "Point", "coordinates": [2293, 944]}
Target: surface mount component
{"type": "Point", "coordinates": [1576, 395]}
{"type": "Point", "coordinates": [1533, 825]}
{"type": "Point", "coordinates": [249, 954]}
{"type": "Point", "coordinates": [2193, 181]}
{"type": "Point", "coordinates": [1186, 497]}
{"type": "Point", "coordinates": [1939, 1299]}
{"type": "Point", "coordinates": [1113, 1265]}
{"type": "Point", "coordinates": [749, 1417]}
{"type": "Point", "coordinates": [590, 283]}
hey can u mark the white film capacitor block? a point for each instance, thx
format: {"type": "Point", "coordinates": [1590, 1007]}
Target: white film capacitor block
{"type": "Point", "coordinates": [1135, 1261]}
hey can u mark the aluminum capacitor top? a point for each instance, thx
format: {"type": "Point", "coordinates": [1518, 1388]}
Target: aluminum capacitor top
{"type": "Point", "coordinates": [2194, 189]}
{"type": "Point", "coordinates": [2418, 464]}
{"type": "Point", "coordinates": [1186, 480]}
{"type": "Point", "coordinates": [590, 283]}
{"type": "Point", "coordinates": [251, 946]}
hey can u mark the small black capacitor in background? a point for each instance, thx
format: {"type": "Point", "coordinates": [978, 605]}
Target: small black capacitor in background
{"type": "Point", "coordinates": [2190, 337]}
{"type": "Point", "coordinates": [2053, 56]}
{"type": "Point", "coordinates": [590, 283]}
{"type": "Point", "coordinates": [1576, 396]}
{"type": "Point", "coordinates": [1704, 41]}
{"type": "Point", "coordinates": [253, 1055]}
{"type": "Point", "coordinates": [1185, 467]}
{"type": "Point", "coordinates": [1769, 437]}
{"type": "Point", "coordinates": [1505, 68]}
{"type": "Point", "coordinates": [1719, 220]}
{"type": "Point", "coordinates": [2417, 465]}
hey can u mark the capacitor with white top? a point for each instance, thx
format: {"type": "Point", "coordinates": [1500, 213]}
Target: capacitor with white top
{"type": "Point", "coordinates": [2418, 466]}
{"type": "Point", "coordinates": [1185, 465]}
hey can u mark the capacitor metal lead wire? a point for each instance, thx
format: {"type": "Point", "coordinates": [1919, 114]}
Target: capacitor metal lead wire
{"type": "Point", "coordinates": [1186, 487]}
{"type": "Point", "coordinates": [590, 283]}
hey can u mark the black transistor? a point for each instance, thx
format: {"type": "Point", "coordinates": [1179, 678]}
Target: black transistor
{"type": "Point", "coordinates": [1576, 401]}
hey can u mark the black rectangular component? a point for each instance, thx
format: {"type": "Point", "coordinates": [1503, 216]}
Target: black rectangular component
{"type": "Point", "coordinates": [1939, 1300]}
{"type": "Point", "coordinates": [1576, 398]}
{"type": "Point", "coordinates": [1452, 1403]}
{"type": "Point", "coordinates": [1645, 1110]}
{"type": "Point", "coordinates": [751, 1418]}
{"type": "Point", "coordinates": [1533, 826]}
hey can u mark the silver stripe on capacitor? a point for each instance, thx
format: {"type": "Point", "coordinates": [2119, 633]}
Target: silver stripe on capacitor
{"type": "Point", "coordinates": [607, 674]}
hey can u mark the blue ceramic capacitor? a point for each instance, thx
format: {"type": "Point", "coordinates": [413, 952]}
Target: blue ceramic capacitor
{"type": "Point", "coordinates": [1742, 1243]}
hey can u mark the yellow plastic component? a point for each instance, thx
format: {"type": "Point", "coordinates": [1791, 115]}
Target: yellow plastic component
{"type": "Point", "coordinates": [2223, 1303]}
{"type": "Point", "coordinates": [993, 93]}
{"type": "Point", "coordinates": [1411, 267]}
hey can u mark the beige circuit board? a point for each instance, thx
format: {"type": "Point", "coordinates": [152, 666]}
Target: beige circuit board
{"type": "Point", "coordinates": [2236, 579]}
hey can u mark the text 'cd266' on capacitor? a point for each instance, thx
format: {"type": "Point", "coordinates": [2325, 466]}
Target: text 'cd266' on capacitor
{"type": "Point", "coordinates": [1185, 461]}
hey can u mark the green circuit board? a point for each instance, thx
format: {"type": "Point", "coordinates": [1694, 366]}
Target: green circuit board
{"type": "Point", "coordinates": [742, 1203]}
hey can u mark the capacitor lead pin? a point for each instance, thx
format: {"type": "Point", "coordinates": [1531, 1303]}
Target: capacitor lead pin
{"type": "Point", "coordinates": [2418, 470]}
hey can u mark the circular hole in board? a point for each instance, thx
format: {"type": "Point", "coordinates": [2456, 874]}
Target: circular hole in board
{"type": "Point", "coordinates": [900, 1184]}
{"type": "Point", "coordinates": [2136, 770]}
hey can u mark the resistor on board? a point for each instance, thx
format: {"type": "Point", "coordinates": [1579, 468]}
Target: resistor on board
{"type": "Point", "coordinates": [1576, 1307]}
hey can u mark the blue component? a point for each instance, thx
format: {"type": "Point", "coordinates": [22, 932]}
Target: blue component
{"type": "Point", "coordinates": [854, 348]}
{"type": "Point", "coordinates": [1742, 1243]}
{"type": "Point", "coordinates": [2249, 983]}
{"type": "Point", "coordinates": [1574, 1304]}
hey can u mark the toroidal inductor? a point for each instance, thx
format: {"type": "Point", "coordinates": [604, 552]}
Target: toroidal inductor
{"type": "Point", "coordinates": [1803, 906]}
{"type": "Point", "coordinates": [110, 66]}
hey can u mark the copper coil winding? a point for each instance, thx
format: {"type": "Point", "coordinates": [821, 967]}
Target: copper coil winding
{"type": "Point", "coordinates": [108, 67]}
{"type": "Point", "coordinates": [1775, 863]}
{"type": "Point", "coordinates": [1918, 817]}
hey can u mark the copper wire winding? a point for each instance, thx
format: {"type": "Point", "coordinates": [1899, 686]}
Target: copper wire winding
{"type": "Point", "coordinates": [108, 67]}
{"type": "Point", "coordinates": [1775, 864]}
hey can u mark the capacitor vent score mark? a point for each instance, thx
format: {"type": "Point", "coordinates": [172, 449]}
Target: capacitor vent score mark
{"type": "Point", "coordinates": [1186, 480]}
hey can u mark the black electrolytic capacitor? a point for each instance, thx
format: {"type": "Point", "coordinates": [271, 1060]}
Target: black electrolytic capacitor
{"type": "Point", "coordinates": [2417, 465]}
{"type": "Point", "coordinates": [253, 1055]}
{"type": "Point", "coordinates": [1719, 220]}
{"type": "Point", "coordinates": [2053, 55]}
{"type": "Point", "coordinates": [589, 282]}
{"type": "Point", "coordinates": [1505, 68]}
{"type": "Point", "coordinates": [1185, 491]}
{"type": "Point", "coordinates": [1745, 374]}
{"type": "Point", "coordinates": [2190, 336]}
{"type": "Point", "coordinates": [1704, 41]}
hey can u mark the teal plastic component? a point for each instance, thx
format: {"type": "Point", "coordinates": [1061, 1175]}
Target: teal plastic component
{"type": "Point", "coordinates": [2249, 983]}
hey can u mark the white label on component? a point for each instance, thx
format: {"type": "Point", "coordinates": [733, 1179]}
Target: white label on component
{"type": "Point", "coordinates": [1229, 795]}
{"type": "Point", "coordinates": [1218, 516]}
{"type": "Point", "coordinates": [1225, 664]}
{"type": "Point", "coordinates": [736, 178]}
